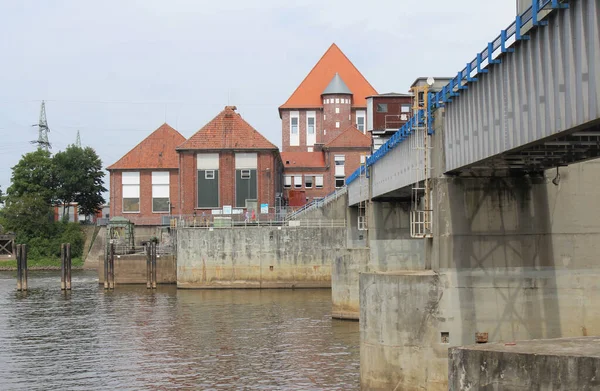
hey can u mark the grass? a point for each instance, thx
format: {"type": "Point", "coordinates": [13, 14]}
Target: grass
{"type": "Point", "coordinates": [40, 263]}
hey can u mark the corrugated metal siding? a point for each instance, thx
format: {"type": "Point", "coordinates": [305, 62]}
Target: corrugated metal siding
{"type": "Point", "coordinates": [550, 84]}
{"type": "Point", "coordinates": [401, 167]}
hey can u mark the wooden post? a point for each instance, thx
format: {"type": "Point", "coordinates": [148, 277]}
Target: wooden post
{"type": "Point", "coordinates": [106, 257]}
{"type": "Point", "coordinates": [62, 266]}
{"type": "Point", "coordinates": [24, 266]}
{"type": "Point", "coordinates": [148, 266]}
{"type": "Point", "coordinates": [68, 261]}
{"type": "Point", "coordinates": [19, 268]}
{"type": "Point", "coordinates": [153, 265]}
{"type": "Point", "coordinates": [111, 267]}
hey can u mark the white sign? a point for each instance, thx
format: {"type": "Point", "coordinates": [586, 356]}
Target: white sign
{"type": "Point", "coordinates": [264, 208]}
{"type": "Point", "coordinates": [226, 209]}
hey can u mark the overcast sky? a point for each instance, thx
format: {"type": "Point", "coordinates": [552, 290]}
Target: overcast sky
{"type": "Point", "coordinates": [117, 69]}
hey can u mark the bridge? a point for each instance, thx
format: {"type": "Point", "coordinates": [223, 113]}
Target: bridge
{"type": "Point", "coordinates": [527, 102]}
{"type": "Point", "coordinates": [478, 221]}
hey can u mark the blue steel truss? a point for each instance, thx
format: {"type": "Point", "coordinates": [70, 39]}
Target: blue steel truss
{"type": "Point", "coordinates": [479, 65]}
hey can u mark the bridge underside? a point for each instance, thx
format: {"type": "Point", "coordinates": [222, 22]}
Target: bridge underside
{"type": "Point", "coordinates": [577, 145]}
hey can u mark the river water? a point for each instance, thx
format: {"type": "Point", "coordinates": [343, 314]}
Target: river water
{"type": "Point", "coordinates": [132, 338]}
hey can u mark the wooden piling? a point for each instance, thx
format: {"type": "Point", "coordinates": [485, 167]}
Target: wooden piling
{"type": "Point", "coordinates": [111, 267]}
{"type": "Point", "coordinates": [153, 265]}
{"type": "Point", "coordinates": [69, 263]}
{"type": "Point", "coordinates": [106, 257]}
{"type": "Point", "coordinates": [19, 268]}
{"type": "Point", "coordinates": [24, 266]}
{"type": "Point", "coordinates": [63, 265]}
{"type": "Point", "coordinates": [148, 265]}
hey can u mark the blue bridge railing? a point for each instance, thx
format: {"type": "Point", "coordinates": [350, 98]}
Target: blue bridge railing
{"type": "Point", "coordinates": [479, 65]}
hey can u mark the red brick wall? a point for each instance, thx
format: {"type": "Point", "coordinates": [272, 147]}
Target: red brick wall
{"type": "Point", "coordinates": [145, 215]}
{"type": "Point", "coordinates": [266, 187]}
{"type": "Point", "coordinates": [344, 117]}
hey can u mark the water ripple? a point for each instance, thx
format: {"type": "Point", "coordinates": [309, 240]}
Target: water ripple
{"type": "Point", "coordinates": [134, 339]}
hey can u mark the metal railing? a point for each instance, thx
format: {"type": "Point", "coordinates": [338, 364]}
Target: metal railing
{"type": "Point", "coordinates": [317, 203]}
{"type": "Point", "coordinates": [502, 44]}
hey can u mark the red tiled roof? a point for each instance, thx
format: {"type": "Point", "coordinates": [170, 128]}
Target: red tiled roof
{"type": "Point", "coordinates": [155, 151]}
{"type": "Point", "coordinates": [350, 138]}
{"type": "Point", "coordinates": [303, 160]}
{"type": "Point", "coordinates": [227, 130]}
{"type": "Point", "coordinates": [308, 93]}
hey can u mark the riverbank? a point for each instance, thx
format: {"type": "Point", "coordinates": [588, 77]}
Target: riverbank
{"type": "Point", "coordinates": [40, 264]}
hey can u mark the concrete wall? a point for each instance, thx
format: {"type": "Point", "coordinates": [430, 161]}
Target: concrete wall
{"type": "Point", "coordinates": [513, 257]}
{"type": "Point", "coordinates": [556, 364]}
{"type": "Point", "coordinates": [258, 257]}
{"type": "Point", "coordinates": [131, 269]}
{"type": "Point", "coordinates": [345, 282]}
{"type": "Point", "coordinates": [390, 243]}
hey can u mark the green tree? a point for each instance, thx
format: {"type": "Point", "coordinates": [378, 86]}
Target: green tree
{"type": "Point", "coordinates": [79, 178]}
{"type": "Point", "coordinates": [33, 174]}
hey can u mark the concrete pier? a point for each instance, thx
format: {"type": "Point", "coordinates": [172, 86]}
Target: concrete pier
{"type": "Point", "coordinates": [515, 258]}
{"type": "Point", "coordinates": [553, 364]}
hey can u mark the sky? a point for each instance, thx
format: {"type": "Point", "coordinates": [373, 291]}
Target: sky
{"type": "Point", "coordinates": [118, 69]}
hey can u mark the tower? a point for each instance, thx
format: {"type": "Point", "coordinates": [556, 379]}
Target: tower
{"type": "Point", "coordinates": [78, 140]}
{"type": "Point", "coordinates": [43, 130]}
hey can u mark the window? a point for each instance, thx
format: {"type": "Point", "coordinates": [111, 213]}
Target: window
{"type": "Point", "coordinates": [294, 124]}
{"type": "Point", "coordinates": [361, 116]}
{"type": "Point", "coordinates": [319, 181]}
{"type": "Point", "coordinates": [405, 108]}
{"type": "Point", "coordinates": [207, 186]}
{"type": "Point", "coordinates": [337, 110]}
{"type": "Point", "coordinates": [382, 107]}
{"type": "Point", "coordinates": [339, 182]}
{"type": "Point", "coordinates": [245, 174]}
{"type": "Point", "coordinates": [340, 160]}
{"type": "Point", "coordinates": [360, 123]}
{"type": "Point", "coordinates": [337, 124]}
{"type": "Point", "coordinates": [311, 125]}
{"type": "Point", "coordinates": [246, 180]}
{"type": "Point", "coordinates": [131, 192]}
{"type": "Point", "coordinates": [308, 181]}
{"type": "Point", "coordinates": [309, 149]}
{"type": "Point", "coordinates": [298, 181]}
{"type": "Point", "coordinates": [324, 117]}
{"type": "Point", "coordinates": [337, 100]}
{"type": "Point", "coordinates": [363, 159]}
{"type": "Point", "coordinates": [287, 181]}
{"type": "Point", "coordinates": [160, 192]}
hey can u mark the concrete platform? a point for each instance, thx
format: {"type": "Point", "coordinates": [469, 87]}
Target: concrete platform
{"type": "Point", "coordinates": [544, 364]}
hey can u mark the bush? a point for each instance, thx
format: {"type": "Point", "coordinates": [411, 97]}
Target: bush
{"type": "Point", "coordinates": [49, 246]}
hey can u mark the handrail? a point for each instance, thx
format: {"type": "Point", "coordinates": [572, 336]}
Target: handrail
{"type": "Point", "coordinates": [467, 75]}
{"type": "Point", "coordinates": [317, 203]}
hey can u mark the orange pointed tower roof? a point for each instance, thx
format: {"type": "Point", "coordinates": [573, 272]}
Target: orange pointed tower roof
{"type": "Point", "coordinates": [308, 93]}
{"type": "Point", "coordinates": [155, 151]}
{"type": "Point", "coordinates": [228, 130]}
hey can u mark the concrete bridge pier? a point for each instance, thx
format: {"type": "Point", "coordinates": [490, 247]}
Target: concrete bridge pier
{"type": "Point", "coordinates": [512, 259]}
{"type": "Point", "coordinates": [386, 245]}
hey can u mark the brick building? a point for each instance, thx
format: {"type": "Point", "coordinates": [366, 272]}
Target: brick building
{"type": "Point", "coordinates": [386, 113]}
{"type": "Point", "coordinates": [324, 126]}
{"type": "Point", "coordinates": [144, 182]}
{"type": "Point", "coordinates": [228, 163]}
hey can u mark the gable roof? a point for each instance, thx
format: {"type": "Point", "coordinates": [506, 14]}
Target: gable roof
{"type": "Point", "coordinates": [308, 93]}
{"type": "Point", "coordinates": [337, 86]}
{"type": "Point", "coordinates": [155, 151]}
{"type": "Point", "coordinates": [227, 130]}
{"type": "Point", "coordinates": [350, 138]}
{"type": "Point", "coordinates": [303, 160]}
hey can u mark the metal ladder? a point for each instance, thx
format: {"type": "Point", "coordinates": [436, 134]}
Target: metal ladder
{"type": "Point", "coordinates": [363, 206]}
{"type": "Point", "coordinates": [421, 214]}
